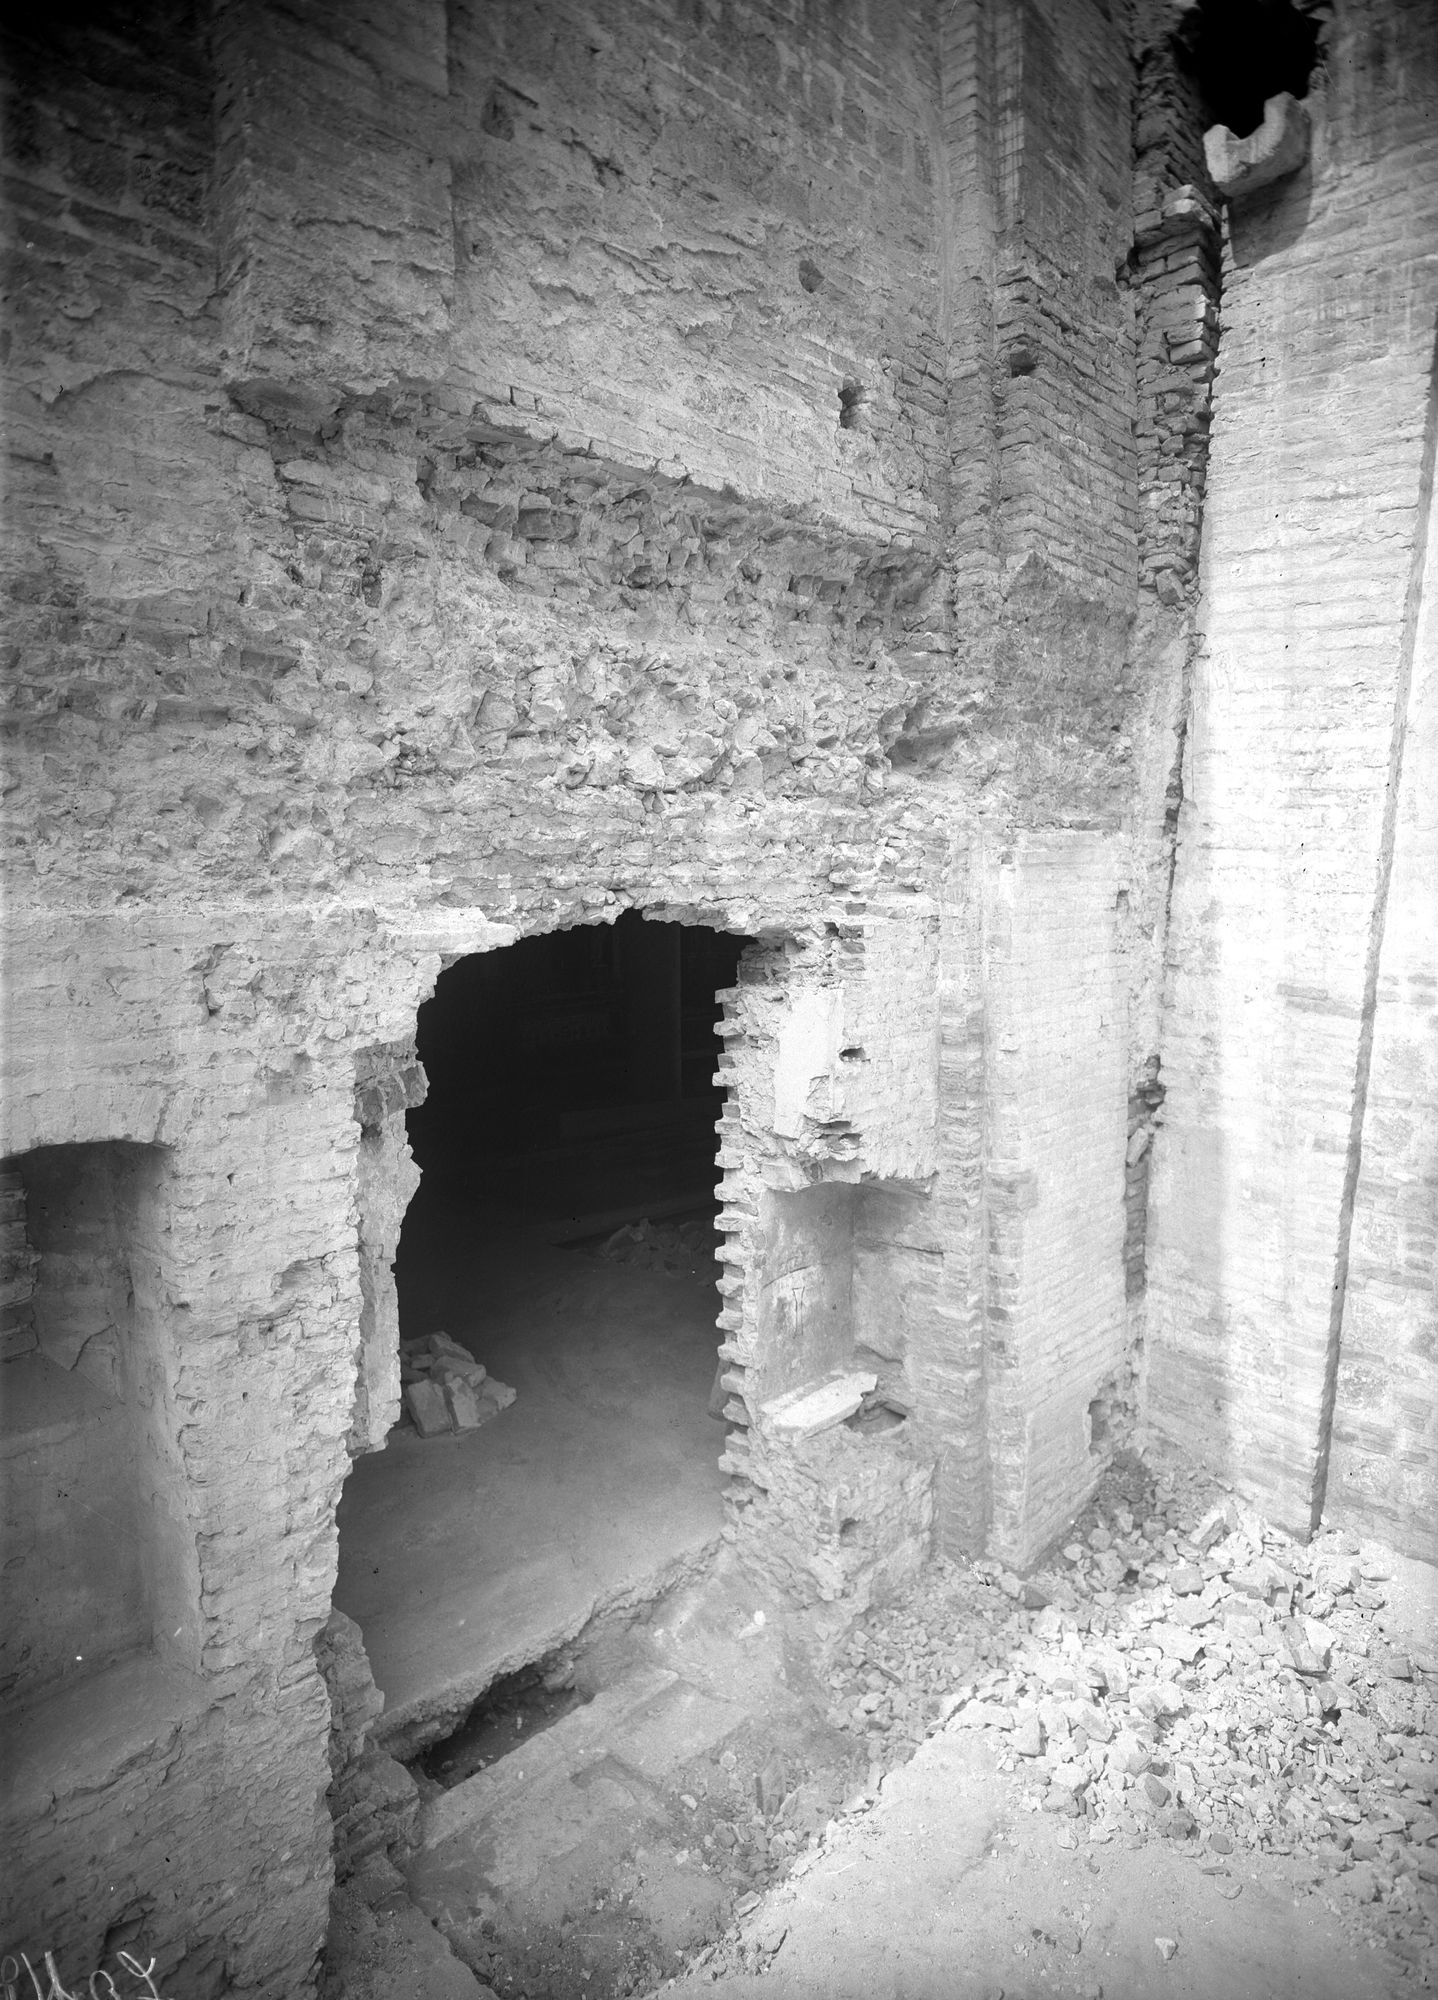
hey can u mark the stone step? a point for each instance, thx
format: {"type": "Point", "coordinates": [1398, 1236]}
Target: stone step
{"type": "Point", "coordinates": [596, 1774]}
{"type": "Point", "coordinates": [579, 1738]}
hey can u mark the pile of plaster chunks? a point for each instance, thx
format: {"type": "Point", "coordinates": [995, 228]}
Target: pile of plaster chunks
{"type": "Point", "coordinates": [446, 1389]}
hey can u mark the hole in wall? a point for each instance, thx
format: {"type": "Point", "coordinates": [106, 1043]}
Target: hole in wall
{"type": "Point", "coordinates": [497, 118]}
{"type": "Point", "coordinates": [874, 1419]}
{"type": "Point", "coordinates": [1242, 52]}
{"type": "Point", "coordinates": [810, 276]}
{"type": "Point", "coordinates": [853, 405]}
{"type": "Point", "coordinates": [557, 1308]}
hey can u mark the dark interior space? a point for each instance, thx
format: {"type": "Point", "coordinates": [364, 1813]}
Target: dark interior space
{"type": "Point", "coordinates": [573, 1074]}
{"type": "Point", "coordinates": [1242, 52]}
{"type": "Point", "coordinates": [562, 1241]}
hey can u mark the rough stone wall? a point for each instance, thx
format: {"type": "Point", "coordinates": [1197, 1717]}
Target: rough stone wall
{"type": "Point", "coordinates": [1312, 510]}
{"type": "Point", "coordinates": [685, 230]}
{"type": "Point", "coordinates": [388, 1082]}
{"type": "Point", "coordinates": [325, 675]}
{"type": "Point", "coordinates": [483, 469]}
{"type": "Point", "coordinates": [373, 1800]}
{"type": "Point", "coordinates": [815, 1046]}
{"type": "Point", "coordinates": [186, 1785]}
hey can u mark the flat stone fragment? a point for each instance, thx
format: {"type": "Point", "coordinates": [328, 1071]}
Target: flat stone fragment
{"type": "Point", "coordinates": [805, 1412]}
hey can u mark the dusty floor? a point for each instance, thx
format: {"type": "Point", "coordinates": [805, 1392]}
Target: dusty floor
{"type": "Point", "coordinates": [462, 1557]}
{"type": "Point", "coordinates": [973, 1791]}
{"type": "Point", "coordinates": [943, 1889]}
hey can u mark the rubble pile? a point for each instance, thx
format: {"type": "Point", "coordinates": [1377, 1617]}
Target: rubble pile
{"type": "Point", "coordinates": [445, 1388]}
{"type": "Point", "coordinates": [1188, 1675]}
{"type": "Point", "coordinates": [680, 1248]}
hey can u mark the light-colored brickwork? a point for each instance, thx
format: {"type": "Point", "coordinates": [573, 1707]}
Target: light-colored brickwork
{"type": "Point", "coordinates": [1383, 1464]}
{"type": "Point", "coordinates": [1056, 1115]}
{"type": "Point", "coordinates": [1329, 304]}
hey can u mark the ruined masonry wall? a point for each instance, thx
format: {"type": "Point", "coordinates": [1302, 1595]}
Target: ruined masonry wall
{"type": "Point", "coordinates": [321, 682]}
{"type": "Point", "coordinates": [248, 1089]}
{"type": "Point", "coordinates": [1329, 310]}
{"type": "Point", "coordinates": [676, 234]}
{"type": "Point", "coordinates": [417, 545]}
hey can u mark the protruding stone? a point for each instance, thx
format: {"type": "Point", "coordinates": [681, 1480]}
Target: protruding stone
{"type": "Point", "coordinates": [1278, 148]}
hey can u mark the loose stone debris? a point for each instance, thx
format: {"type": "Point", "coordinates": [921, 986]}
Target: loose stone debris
{"type": "Point", "coordinates": [681, 1248]}
{"type": "Point", "coordinates": [1178, 1673]}
{"type": "Point", "coordinates": [1181, 1671]}
{"type": "Point", "coordinates": [445, 1389]}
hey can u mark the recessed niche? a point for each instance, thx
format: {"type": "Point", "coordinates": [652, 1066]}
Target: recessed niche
{"type": "Point", "coordinates": [98, 1566]}
{"type": "Point", "coordinates": [853, 405]}
{"type": "Point", "coordinates": [842, 1264]}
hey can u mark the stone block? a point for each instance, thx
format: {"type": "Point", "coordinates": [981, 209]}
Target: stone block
{"type": "Point", "coordinates": [428, 1407]}
{"type": "Point", "coordinates": [496, 1396]}
{"type": "Point", "coordinates": [465, 1403]}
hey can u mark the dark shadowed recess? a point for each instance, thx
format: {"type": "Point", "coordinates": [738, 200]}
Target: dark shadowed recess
{"type": "Point", "coordinates": [1242, 52]}
{"type": "Point", "coordinates": [573, 1074]}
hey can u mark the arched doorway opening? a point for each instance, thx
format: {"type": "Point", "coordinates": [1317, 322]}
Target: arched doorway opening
{"type": "Point", "coordinates": [562, 1242]}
